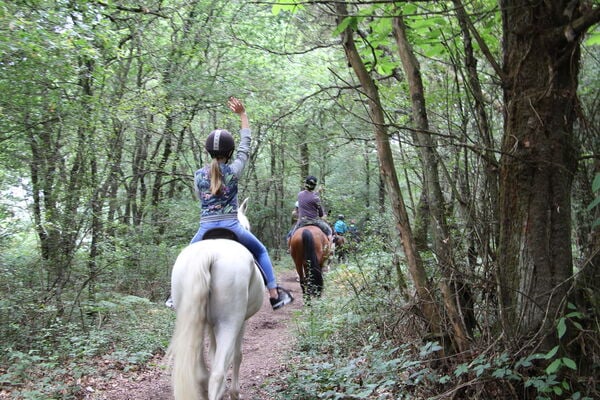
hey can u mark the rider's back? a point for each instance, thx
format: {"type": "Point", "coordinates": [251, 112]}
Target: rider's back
{"type": "Point", "coordinates": [309, 205]}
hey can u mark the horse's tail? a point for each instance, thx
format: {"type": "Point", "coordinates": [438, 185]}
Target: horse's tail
{"type": "Point", "coordinates": [315, 276]}
{"type": "Point", "coordinates": [190, 288]}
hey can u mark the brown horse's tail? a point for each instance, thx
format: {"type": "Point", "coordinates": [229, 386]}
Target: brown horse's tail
{"type": "Point", "coordinates": [315, 276]}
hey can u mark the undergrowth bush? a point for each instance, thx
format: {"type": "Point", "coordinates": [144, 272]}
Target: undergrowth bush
{"type": "Point", "coordinates": [130, 330]}
{"type": "Point", "coordinates": [361, 340]}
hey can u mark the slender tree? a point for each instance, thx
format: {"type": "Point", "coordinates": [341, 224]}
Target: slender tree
{"type": "Point", "coordinates": [388, 174]}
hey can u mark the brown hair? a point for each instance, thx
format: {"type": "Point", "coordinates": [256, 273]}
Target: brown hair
{"type": "Point", "coordinates": [216, 179]}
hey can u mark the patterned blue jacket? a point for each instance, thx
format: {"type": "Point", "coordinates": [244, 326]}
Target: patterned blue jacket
{"type": "Point", "coordinates": [224, 205]}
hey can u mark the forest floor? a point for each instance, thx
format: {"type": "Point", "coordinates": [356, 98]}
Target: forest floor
{"type": "Point", "coordinates": [267, 339]}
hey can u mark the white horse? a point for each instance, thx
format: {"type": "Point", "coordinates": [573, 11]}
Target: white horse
{"type": "Point", "coordinates": [216, 286]}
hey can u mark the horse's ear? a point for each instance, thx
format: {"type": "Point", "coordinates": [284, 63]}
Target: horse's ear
{"type": "Point", "coordinates": [242, 214]}
{"type": "Point", "coordinates": [244, 206]}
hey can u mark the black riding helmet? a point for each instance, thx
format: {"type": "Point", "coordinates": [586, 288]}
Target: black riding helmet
{"type": "Point", "coordinates": [220, 143]}
{"type": "Point", "coordinates": [341, 216]}
{"type": "Point", "coordinates": [310, 182]}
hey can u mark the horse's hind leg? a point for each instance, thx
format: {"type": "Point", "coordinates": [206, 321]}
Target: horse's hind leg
{"type": "Point", "coordinates": [226, 336]}
{"type": "Point", "coordinates": [234, 392]}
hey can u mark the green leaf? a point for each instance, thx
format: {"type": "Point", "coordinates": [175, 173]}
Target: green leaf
{"type": "Point", "coordinates": [569, 363]}
{"type": "Point", "coordinates": [561, 327]}
{"type": "Point", "coordinates": [434, 50]}
{"type": "Point", "coordinates": [593, 39]}
{"type": "Point", "coordinates": [500, 373]}
{"type": "Point", "coordinates": [461, 369]}
{"type": "Point", "coordinates": [346, 22]}
{"type": "Point", "coordinates": [385, 67]}
{"type": "Point", "coordinates": [551, 353]}
{"type": "Point", "coordinates": [557, 390]}
{"type": "Point", "coordinates": [480, 369]}
{"type": "Point", "coordinates": [552, 368]}
{"type": "Point", "coordinates": [596, 183]}
{"type": "Point", "coordinates": [286, 5]}
{"type": "Point", "coordinates": [428, 348]}
{"type": "Point", "coordinates": [593, 204]}
{"type": "Point", "coordinates": [409, 9]}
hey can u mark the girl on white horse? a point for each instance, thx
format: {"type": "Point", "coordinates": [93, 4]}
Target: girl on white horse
{"type": "Point", "coordinates": [216, 186]}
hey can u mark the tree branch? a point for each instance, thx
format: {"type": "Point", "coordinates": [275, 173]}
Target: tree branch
{"type": "Point", "coordinates": [589, 18]}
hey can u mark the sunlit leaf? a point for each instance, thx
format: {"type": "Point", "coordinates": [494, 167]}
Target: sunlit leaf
{"type": "Point", "coordinates": [593, 39]}
{"type": "Point", "coordinates": [346, 23]}
{"type": "Point", "coordinates": [286, 5]}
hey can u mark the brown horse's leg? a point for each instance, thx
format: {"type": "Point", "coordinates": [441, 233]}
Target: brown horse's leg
{"type": "Point", "coordinates": [296, 251]}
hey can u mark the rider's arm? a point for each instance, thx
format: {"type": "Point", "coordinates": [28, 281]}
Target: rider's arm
{"type": "Point", "coordinates": [243, 152]}
{"type": "Point", "coordinates": [244, 120]}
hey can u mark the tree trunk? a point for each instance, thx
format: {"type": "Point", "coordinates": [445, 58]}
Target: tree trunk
{"type": "Point", "coordinates": [388, 173]}
{"type": "Point", "coordinates": [541, 65]}
{"type": "Point", "coordinates": [304, 161]}
{"type": "Point", "coordinates": [442, 243]}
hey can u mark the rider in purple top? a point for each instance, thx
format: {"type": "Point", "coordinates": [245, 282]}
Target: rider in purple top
{"type": "Point", "coordinates": [216, 186]}
{"type": "Point", "coordinates": [310, 210]}
{"type": "Point", "coordinates": [309, 205]}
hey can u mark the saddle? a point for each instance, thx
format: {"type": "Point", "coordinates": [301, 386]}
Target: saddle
{"type": "Point", "coordinates": [220, 233]}
{"type": "Point", "coordinates": [224, 233]}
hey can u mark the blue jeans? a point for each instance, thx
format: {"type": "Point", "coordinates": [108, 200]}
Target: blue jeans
{"type": "Point", "coordinates": [246, 238]}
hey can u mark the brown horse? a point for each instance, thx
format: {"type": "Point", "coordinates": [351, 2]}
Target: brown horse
{"type": "Point", "coordinates": [341, 248]}
{"type": "Point", "coordinates": [310, 247]}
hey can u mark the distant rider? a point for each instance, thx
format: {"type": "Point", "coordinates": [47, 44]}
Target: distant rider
{"type": "Point", "coordinates": [310, 210]}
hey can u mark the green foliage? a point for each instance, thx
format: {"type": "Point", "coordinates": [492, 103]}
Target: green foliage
{"type": "Point", "coordinates": [370, 374]}
{"type": "Point", "coordinates": [594, 204]}
{"type": "Point", "coordinates": [344, 348]}
{"type": "Point", "coordinates": [130, 331]}
{"type": "Point", "coordinates": [121, 97]}
{"type": "Point", "coordinates": [593, 38]}
{"type": "Point", "coordinates": [286, 6]}
{"type": "Point", "coordinates": [49, 353]}
{"type": "Point", "coordinates": [552, 381]}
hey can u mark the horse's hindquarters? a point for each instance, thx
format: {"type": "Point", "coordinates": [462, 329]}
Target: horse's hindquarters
{"type": "Point", "coordinates": [308, 248]}
{"type": "Point", "coordinates": [216, 287]}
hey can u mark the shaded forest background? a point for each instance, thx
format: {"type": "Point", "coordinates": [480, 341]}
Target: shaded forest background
{"type": "Point", "coordinates": [462, 137]}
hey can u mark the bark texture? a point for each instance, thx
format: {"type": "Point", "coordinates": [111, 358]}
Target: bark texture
{"type": "Point", "coordinates": [541, 65]}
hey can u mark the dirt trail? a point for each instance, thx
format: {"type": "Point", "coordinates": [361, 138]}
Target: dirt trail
{"type": "Point", "coordinates": [267, 338]}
